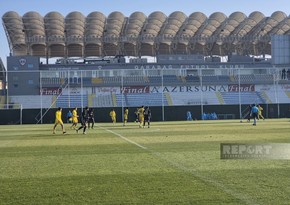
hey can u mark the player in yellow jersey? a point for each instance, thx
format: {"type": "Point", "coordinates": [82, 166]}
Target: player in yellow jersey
{"type": "Point", "coordinates": [75, 118]}
{"type": "Point", "coordinates": [113, 116]}
{"type": "Point", "coordinates": [126, 113]}
{"type": "Point", "coordinates": [260, 115]}
{"type": "Point", "coordinates": [141, 116]}
{"type": "Point", "coordinates": [58, 120]}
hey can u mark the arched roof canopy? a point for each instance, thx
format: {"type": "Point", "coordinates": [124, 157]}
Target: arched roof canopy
{"type": "Point", "coordinates": [55, 34]}
{"type": "Point", "coordinates": [213, 22]}
{"type": "Point", "coordinates": [33, 25]}
{"type": "Point", "coordinates": [98, 35]}
{"type": "Point", "coordinates": [35, 33]}
{"type": "Point", "coordinates": [153, 26]}
{"type": "Point", "coordinates": [234, 20]}
{"type": "Point", "coordinates": [55, 28]}
{"type": "Point", "coordinates": [15, 33]}
{"type": "Point", "coordinates": [172, 26]}
{"type": "Point", "coordinates": [191, 26]}
{"type": "Point", "coordinates": [281, 18]}
{"type": "Point", "coordinates": [254, 19]}
{"type": "Point", "coordinates": [135, 23]}
{"type": "Point", "coordinates": [94, 28]}
{"type": "Point", "coordinates": [95, 24]}
{"type": "Point", "coordinates": [132, 32]}
{"type": "Point", "coordinates": [114, 25]}
{"type": "Point", "coordinates": [75, 30]}
{"type": "Point", "coordinates": [112, 33]}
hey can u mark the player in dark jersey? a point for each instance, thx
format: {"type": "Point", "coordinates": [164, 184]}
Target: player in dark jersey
{"type": "Point", "coordinates": [137, 115]}
{"type": "Point", "coordinates": [91, 118]}
{"type": "Point", "coordinates": [126, 113]}
{"type": "Point", "coordinates": [249, 113]}
{"type": "Point", "coordinates": [147, 116]}
{"type": "Point", "coordinates": [84, 120]}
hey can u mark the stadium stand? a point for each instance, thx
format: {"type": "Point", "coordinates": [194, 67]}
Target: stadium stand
{"type": "Point", "coordinates": [171, 79]}
{"type": "Point", "coordinates": [278, 96]}
{"type": "Point", "coordinates": [232, 98]}
{"type": "Point", "coordinates": [194, 99]}
{"type": "Point", "coordinates": [265, 78]}
{"type": "Point", "coordinates": [32, 101]}
{"type": "Point", "coordinates": [71, 101]}
{"type": "Point", "coordinates": [116, 80]}
{"type": "Point", "coordinates": [192, 79]}
{"type": "Point", "coordinates": [133, 80]}
{"type": "Point", "coordinates": [244, 78]}
{"type": "Point", "coordinates": [131, 100]}
{"type": "Point", "coordinates": [155, 80]}
{"type": "Point", "coordinates": [102, 101]}
{"type": "Point", "coordinates": [258, 78]}
{"type": "Point", "coordinates": [107, 55]}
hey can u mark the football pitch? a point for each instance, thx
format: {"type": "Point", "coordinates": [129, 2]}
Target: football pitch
{"type": "Point", "coordinates": [168, 163]}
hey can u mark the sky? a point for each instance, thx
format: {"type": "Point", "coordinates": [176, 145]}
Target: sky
{"type": "Point", "coordinates": [127, 7]}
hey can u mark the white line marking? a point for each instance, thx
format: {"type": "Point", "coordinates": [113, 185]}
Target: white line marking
{"type": "Point", "coordinates": [208, 180]}
{"type": "Point", "coordinates": [194, 172]}
{"type": "Point", "coordinates": [124, 138]}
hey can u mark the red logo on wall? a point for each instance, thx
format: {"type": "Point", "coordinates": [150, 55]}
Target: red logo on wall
{"type": "Point", "coordinates": [50, 91]}
{"type": "Point", "coordinates": [135, 89]}
{"type": "Point", "coordinates": [243, 88]}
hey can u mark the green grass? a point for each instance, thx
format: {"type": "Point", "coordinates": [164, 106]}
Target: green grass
{"type": "Point", "coordinates": [170, 163]}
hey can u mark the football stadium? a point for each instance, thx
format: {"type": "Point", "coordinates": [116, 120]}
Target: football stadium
{"type": "Point", "coordinates": [214, 67]}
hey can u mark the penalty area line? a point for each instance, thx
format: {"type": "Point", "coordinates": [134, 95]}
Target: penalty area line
{"type": "Point", "coordinates": [124, 138]}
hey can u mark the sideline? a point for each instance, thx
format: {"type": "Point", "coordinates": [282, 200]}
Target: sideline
{"type": "Point", "coordinates": [124, 138]}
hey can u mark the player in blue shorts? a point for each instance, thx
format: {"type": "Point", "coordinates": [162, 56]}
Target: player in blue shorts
{"type": "Point", "coordinates": [254, 113]}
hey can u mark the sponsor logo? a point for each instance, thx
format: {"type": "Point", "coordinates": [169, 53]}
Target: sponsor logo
{"type": "Point", "coordinates": [285, 87]}
{"type": "Point", "coordinates": [135, 89]}
{"type": "Point", "coordinates": [107, 90]}
{"type": "Point", "coordinates": [189, 89]}
{"type": "Point", "coordinates": [75, 91]}
{"type": "Point", "coordinates": [186, 66]}
{"type": "Point", "coordinates": [22, 61]}
{"type": "Point", "coordinates": [255, 151]}
{"type": "Point", "coordinates": [243, 88]}
{"type": "Point", "coordinates": [50, 91]}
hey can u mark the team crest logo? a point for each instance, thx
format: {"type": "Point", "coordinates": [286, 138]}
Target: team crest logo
{"type": "Point", "coordinates": [22, 61]}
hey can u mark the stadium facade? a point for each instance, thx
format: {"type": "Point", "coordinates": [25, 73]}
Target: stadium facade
{"type": "Point", "coordinates": [204, 64]}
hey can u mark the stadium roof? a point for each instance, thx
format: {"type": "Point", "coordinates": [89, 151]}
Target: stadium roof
{"type": "Point", "coordinates": [76, 35]}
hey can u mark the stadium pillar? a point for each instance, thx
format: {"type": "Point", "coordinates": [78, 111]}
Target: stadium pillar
{"type": "Point", "coordinates": [40, 85]}
{"type": "Point", "coordinates": [240, 105]}
{"type": "Point", "coordinates": [68, 79]}
{"type": "Point", "coordinates": [162, 99]}
{"type": "Point", "coordinates": [82, 102]}
{"type": "Point", "coordinates": [201, 94]}
{"type": "Point", "coordinates": [6, 88]}
{"type": "Point", "coordinates": [122, 94]}
{"type": "Point", "coordinates": [275, 82]}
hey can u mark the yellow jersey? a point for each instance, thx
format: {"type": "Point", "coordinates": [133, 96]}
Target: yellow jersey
{"type": "Point", "coordinates": [75, 116]}
{"type": "Point", "coordinates": [141, 112]}
{"type": "Point", "coordinates": [58, 117]}
{"type": "Point", "coordinates": [113, 114]}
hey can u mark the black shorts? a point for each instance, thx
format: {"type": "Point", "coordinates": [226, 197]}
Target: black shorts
{"type": "Point", "coordinates": [254, 115]}
{"type": "Point", "coordinates": [147, 118]}
{"type": "Point", "coordinates": [84, 121]}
